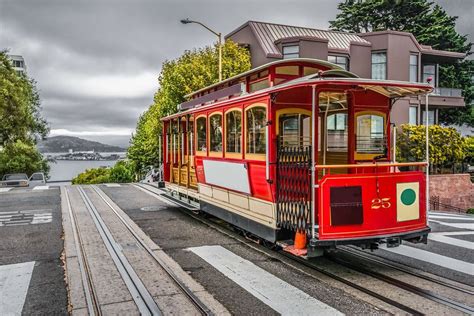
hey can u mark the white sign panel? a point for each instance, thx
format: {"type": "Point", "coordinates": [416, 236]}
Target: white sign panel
{"type": "Point", "coordinates": [230, 175]}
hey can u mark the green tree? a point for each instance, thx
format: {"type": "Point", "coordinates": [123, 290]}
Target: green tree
{"type": "Point", "coordinates": [431, 25]}
{"type": "Point", "coordinates": [446, 146]}
{"type": "Point", "coordinates": [21, 124]}
{"type": "Point", "coordinates": [194, 70]}
{"type": "Point", "coordinates": [21, 157]}
{"type": "Point", "coordinates": [20, 110]}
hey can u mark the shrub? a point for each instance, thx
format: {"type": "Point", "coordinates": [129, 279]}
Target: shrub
{"type": "Point", "coordinates": [446, 146]}
{"type": "Point", "coordinates": [122, 172]}
{"type": "Point", "coordinates": [92, 176]}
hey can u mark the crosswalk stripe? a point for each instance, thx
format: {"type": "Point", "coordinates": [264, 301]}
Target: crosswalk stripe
{"type": "Point", "coordinates": [5, 189]}
{"type": "Point", "coordinates": [430, 257]}
{"type": "Point", "coordinates": [456, 225]}
{"type": "Point", "coordinates": [458, 233]}
{"type": "Point", "coordinates": [452, 241]}
{"type": "Point", "coordinates": [274, 292]}
{"type": "Point", "coordinates": [14, 283]}
{"type": "Point", "coordinates": [459, 218]}
{"type": "Point", "coordinates": [41, 187]}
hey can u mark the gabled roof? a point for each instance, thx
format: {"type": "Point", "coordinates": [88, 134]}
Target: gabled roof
{"type": "Point", "coordinates": [269, 33]}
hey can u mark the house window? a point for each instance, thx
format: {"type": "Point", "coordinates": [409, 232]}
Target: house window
{"type": "Point", "coordinates": [379, 66]}
{"type": "Point", "coordinates": [431, 117]}
{"type": "Point", "coordinates": [341, 61]}
{"type": "Point", "coordinates": [429, 71]}
{"type": "Point", "coordinates": [201, 134]}
{"type": "Point", "coordinates": [18, 63]}
{"type": "Point", "coordinates": [292, 51]}
{"type": "Point", "coordinates": [413, 68]}
{"type": "Point", "coordinates": [215, 132]}
{"type": "Point", "coordinates": [370, 135]}
{"type": "Point", "coordinates": [233, 130]}
{"type": "Point", "coordinates": [413, 115]}
{"type": "Point", "coordinates": [256, 118]}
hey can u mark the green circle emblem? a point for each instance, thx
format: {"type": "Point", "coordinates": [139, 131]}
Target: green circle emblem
{"type": "Point", "coordinates": [408, 197]}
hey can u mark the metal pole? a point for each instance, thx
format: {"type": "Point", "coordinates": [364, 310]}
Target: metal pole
{"type": "Point", "coordinates": [219, 36]}
{"type": "Point", "coordinates": [394, 158]}
{"type": "Point", "coordinates": [313, 148]}
{"type": "Point", "coordinates": [427, 123]}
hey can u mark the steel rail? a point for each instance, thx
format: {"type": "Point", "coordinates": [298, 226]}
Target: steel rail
{"type": "Point", "coordinates": [227, 232]}
{"type": "Point", "coordinates": [408, 287]}
{"type": "Point", "coordinates": [371, 257]}
{"type": "Point", "coordinates": [185, 289]}
{"type": "Point", "coordinates": [92, 300]}
{"type": "Point", "coordinates": [143, 299]}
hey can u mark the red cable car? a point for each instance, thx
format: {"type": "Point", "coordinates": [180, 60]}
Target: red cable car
{"type": "Point", "coordinates": [299, 148]}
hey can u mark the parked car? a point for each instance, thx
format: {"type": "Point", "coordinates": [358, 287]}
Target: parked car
{"type": "Point", "coordinates": [15, 180]}
{"type": "Point", "coordinates": [37, 178]}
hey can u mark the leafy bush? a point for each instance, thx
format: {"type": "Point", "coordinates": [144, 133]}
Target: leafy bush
{"type": "Point", "coordinates": [121, 172]}
{"type": "Point", "coordinates": [446, 146]}
{"type": "Point", "coordinates": [22, 157]}
{"type": "Point", "coordinates": [92, 176]}
{"type": "Point", "coordinates": [470, 211]}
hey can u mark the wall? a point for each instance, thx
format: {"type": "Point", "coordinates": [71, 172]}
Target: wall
{"type": "Point", "coordinates": [360, 60]}
{"type": "Point", "coordinates": [246, 36]}
{"type": "Point", "coordinates": [453, 189]}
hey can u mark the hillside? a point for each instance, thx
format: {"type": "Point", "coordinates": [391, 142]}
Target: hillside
{"type": "Point", "coordinates": [61, 144]}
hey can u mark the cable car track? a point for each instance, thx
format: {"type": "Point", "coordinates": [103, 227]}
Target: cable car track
{"type": "Point", "coordinates": [372, 258]}
{"type": "Point", "coordinates": [403, 285]}
{"type": "Point", "coordinates": [203, 309]}
{"type": "Point", "coordinates": [225, 230]}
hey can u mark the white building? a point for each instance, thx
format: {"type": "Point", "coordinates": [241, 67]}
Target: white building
{"type": "Point", "coordinates": [18, 63]}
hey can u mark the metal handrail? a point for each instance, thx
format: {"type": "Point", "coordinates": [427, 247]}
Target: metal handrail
{"type": "Point", "coordinates": [396, 164]}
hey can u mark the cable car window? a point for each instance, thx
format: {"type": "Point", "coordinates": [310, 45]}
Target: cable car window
{"type": "Point", "coordinates": [337, 132]}
{"type": "Point", "coordinates": [370, 136]}
{"type": "Point", "coordinates": [294, 130]}
{"type": "Point", "coordinates": [233, 129]}
{"type": "Point", "coordinates": [256, 129]}
{"type": "Point", "coordinates": [259, 85]}
{"type": "Point", "coordinates": [201, 134]}
{"type": "Point", "coordinates": [215, 133]}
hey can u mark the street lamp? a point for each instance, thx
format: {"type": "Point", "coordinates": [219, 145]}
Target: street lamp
{"type": "Point", "coordinates": [219, 40]}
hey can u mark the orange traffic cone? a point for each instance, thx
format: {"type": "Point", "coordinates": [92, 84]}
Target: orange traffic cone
{"type": "Point", "coordinates": [300, 240]}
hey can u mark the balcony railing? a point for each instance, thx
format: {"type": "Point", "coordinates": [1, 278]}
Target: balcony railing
{"type": "Point", "coordinates": [447, 92]}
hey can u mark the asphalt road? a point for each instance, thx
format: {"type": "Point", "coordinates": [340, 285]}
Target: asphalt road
{"type": "Point", "coordinates": [176, 232]}
{"type": "Point", "coordinates": [30, 231]}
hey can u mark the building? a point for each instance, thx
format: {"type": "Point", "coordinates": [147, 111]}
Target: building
{"type": "Point", "coordinates": [18, 63]}
{"type": "Point", "coordinates": [381, 55]}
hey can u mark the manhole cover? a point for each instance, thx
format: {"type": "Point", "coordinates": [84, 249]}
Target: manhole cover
{"type": "Point", "coordinates": [150, 208]}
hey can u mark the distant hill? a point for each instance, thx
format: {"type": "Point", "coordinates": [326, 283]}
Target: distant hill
{"type": "Point", "coordinates": [61, 144]}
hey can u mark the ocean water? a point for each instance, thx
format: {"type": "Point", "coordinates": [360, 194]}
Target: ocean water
{"type": "Point", "coordinates": [65, 170]}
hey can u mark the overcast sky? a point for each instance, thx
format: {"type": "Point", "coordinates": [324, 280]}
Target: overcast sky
{"type": "Point", "coordinates": [97, 62]}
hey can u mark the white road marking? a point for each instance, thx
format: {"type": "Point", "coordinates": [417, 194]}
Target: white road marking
{"type": "Point", "coordinates": [14, 283]}
{"type": "Point", "coordinates": [456, 225]}
{"type": "Point", "coordinates": [430, 257]}
{"type": "Point", "coordinates": [459, 218]}
{"type": "Point", "coordinates": [447, 214]}
{"type": "Point", "coordinates": [452, 241]}
{"type": "Point", "coordinates": [112, 185]}
{"type": "Point", "coordinates": [5, 189]}
{"type": "Point", "coordinates": [41, 187]}
{"type": "Point", "coordinates": [458, 233]}
{"type": "Point", "coordinates": [26, 217]}
{"type": "Point", "coordinates": [276, 293]}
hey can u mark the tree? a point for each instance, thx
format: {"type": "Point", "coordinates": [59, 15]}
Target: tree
{"type": "Point", "coordinates": [21, 157]}
{"type": "Point", "coordinates": [194, 70]}
{"type": "Point", "coordinates": [431, 25]}
{"type": "Point", "coordinates": [21, 122]}
{"type": "Point", "coordinates": [446, 146]}
{"type": "Point", "coordinates": [20, 110]}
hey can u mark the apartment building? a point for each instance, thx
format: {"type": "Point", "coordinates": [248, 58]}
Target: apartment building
{"type": "Point", "coordinates": [18, 63]}
{"type": "Point", "coordinates": [385, 55]}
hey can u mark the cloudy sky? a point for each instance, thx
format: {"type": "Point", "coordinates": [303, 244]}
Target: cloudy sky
{"type": "Point", "coordinates": [97, 61]}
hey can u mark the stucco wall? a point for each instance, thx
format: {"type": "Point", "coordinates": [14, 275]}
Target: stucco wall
{"type": "Point", "coordinates": [453, 189]}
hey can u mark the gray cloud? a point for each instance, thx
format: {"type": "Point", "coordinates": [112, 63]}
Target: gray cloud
{"type": "Point", "coordinates": [96, 61]}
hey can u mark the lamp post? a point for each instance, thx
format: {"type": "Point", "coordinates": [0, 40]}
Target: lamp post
{"type": "Point", "coordinates": [219, 41]}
